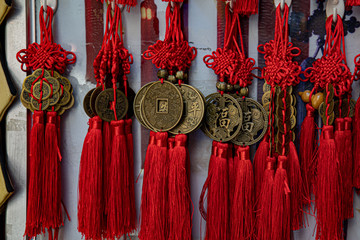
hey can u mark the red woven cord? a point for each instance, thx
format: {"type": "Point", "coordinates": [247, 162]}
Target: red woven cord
{"type": "Point", "coordinates": [129, 3]}
{"type": "Point", "coordinates": [350, 3]}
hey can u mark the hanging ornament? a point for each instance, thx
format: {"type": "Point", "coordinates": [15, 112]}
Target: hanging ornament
{"type": "Point", "coordinates": [281, 74]}
{"type": "Point", "coordinates": [168, 106]}
{"type": "Point", "coordinates": [333, 189]}
{"type": "Point", "coordinates": [106, 180]}
{"type": "Point", "coordinates": [48, 95]}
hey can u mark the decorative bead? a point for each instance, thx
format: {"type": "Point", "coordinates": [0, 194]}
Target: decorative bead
{"type": "Point", "coordinates": [229, 87]}
{"type": "Point", "coordinates": [172, 79]}
{"type": "Point", "coordinates": [162, 73]}
{"type": "Point", "coordinates": [317, 99]}
{"type": "Point", "coordinates": [180, 75]}
{"type": "Point", "coordinates": [237, 87]}
{"type": "Point", "coordinates": [305, 96]}
{"type": "Point", "coordinates": [244, 92]}
{"type": "Point", "coordinates": [221, 86]}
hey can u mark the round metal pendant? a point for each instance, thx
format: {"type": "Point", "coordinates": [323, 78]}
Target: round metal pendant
{"type": "Point", "coordinates": [162, 106]}
{"type": "Point", "coordinates": [54, 84]}
{"type": "Point", "coordinates": [86, 104]}
{"type": "Point", "coordinates": [194, 109]}
{"type": "Point", "coordinates": [93, 97]}
{"type": "Point", "coordinates": [65, 98]}
{"type": "Point", "coordinates": [25, 98]}
{"type": "Point", "coordinates": [55, 98]}
{"type": "Point", "coordinates": [137, 104]}
{"type": "Point", "coordinates": [41, 90]}
{"type": "Point", "coordinates": [44, 104]}
{"type": "Point", "coordinates": [103, 103]}
{"type": "Point", "coordinates": [254, 122]}
{"type": "Point", "coordinates": [223, 117]}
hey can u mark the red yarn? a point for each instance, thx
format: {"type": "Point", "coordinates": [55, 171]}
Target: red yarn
{"type": "Point", "coordinates": [347, 168]}
{"type": "Point", "coordinates": [280, 217]}
{"type": "Point", "coordinates": [307, 151]}
{"type": "Point", "coordinates": [260, 164]}
{"type": "Point", "coordinates": [352, 3]}
{"type": "Point", "coordinates": [356, 146]}
{"type": "Point", "coordinates": [245, 7]}
{"type": "Point", "coordinates": [242, 211]}
{"type": "Point", "coordinates": [155, 224]}
{"type": "Point", "coordinates": [233, 162]}
{"type": "Point", "coordinates": [179, 192]}
{"type": "Point", "coordinates": [328, 191]}
{"type": "Point", "coordinates": [36, 170]}
{"type": "Point", "coordinates": [107, 143]}
{"type": "Point", "coordinates": [52, 211]}
{"type": "Point", "coordinates": [265, 210]}
{"type": "Point", "coordinates": [218, 209]}
{"type": "Point", "coordinates": [90, 202]}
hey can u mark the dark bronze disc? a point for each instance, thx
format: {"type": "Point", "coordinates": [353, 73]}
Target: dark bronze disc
{"type": "Point", "coordinates": [194, 109]}
{"type": "Point", "coordinates": [162, 106]}
{"type": "Point", "coordinates": [137, 104]}
{"type": "Point", "coordinates": [25, 99]}
{"type": "Point", "coordinates": [65, 98]}
{"type": "Point", "coordinates": [66, 83]}
{"type": "Point", "coordinates": [54, 84]}
{"type": "Point", "coordinates": [254, 122]}
{"type": "Point", "coordinates": [86, 104]}
{"type": "Point", "coordinates": [44, 104]}
{"type": "Point", "coordinates": [103, 105]}
{"type": "Point", "coordinates": [266, 97]}
{"type": "Point", "coordinates": [55, 98]}
{"type": "Point", "coordinates": [93, 97]}
{"type": "Point", "coordinates": [28, 83]}
{"type": "Point", "coordinates": [43, 91]}
{"type": "Point", "coordinates": [223, 117]}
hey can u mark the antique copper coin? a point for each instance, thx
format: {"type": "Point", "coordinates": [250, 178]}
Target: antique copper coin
{"type": "Point", "coordinates": [194, 109]}
{"type": "Point", "coordinates": [53, 83]}
{"type": "Point", "coordinates": [93, 97]}
{"type": "Point", "coordinates": [41, 90]}
{"type": "Point", "coordinates": [65, 98]}
{"type": "Point", "coordinates": [86, 104]}
{"type": "Point", "coordinates": [55, 98]}
{"type": "Point", "coordinates": [223, 117]}
{"type": "Point", "coordinates": [137, 104]}
{"type": "Point", "coordinates": [36, 105]}
{"type": "Point", "coordinates": [104, 101]}
{"type": "Point", "coordinates": [162, 106]}
{"type": "Point", "coordinates": [254, 122]}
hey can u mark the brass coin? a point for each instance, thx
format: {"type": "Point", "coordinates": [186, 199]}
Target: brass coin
{"type": "Point", "coordinates": [86, 104]}
{"type": "Point", "coordinates": [280, 126]}
{"type": "Point", "coordinates": [194, 109]}
{"type": "Point", "coordinates": [266, 87]}
{"type": "Point", "coordinates": [223, 117]}
{"type": "Point", "coordinates": [323, 106]}
{"type": "Point", "coordinates": [344, 108]}
{"type": "Point", "coordinates": [279, 113]}
{"type": "Point", "coordinates": [254, 122]}
{"type": "Point", "coordinates": [65, 98]}
{"type": "Point", "coordinates": [45, 90]}
{"type": "Point", "coordinates": [93, 97]}
{"type": "Point", "coordinates": [36, 105]}
{"type": "Point", "coordinates": [54, 99]}
{"type": "Point", "coordinates": [66, 83]}
{"type": "Point", "coordinates": [103, 103]}
{"type": "Point", "coordinates": [288, 101]}
{"type": "Point", "coordinates": [279, 148]}
{"type": "Point", "coordinates": [137, 104]}
{"type": "Point", "coordinates": [352, 108]}
{"type": "Point", "coordinates": [292, 122]}
{"type": "Point", "coordinates": [288, 137]}
{"type": "Point", "coordinates": [266, 98]}
{"type": "Point", "coordinates": [39, 71]}
{"type": "Point", "coordinates": [57, 107]}
{"type": "Point", "coordinates": [28, 83]}
{"type": "Point", "coordinates": [331, 119]}
{"type": "Point", "coordinates": [331, 93]}
{"type": "Point", "coordinates": [267, 107]}
{"type": "Point", "coordinates": [53, 83]}
{"type": "Point", "coordinates": [162, 106]}
{"type": "Point", "coordinates": [70, 104]}
{"type": "Point", "coordinates": [61, 111]}
{"type": "Point", "coordinates": [25, 96]}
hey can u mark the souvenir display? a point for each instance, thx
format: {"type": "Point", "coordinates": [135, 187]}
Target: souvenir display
{"type": "Point", "coordinates": [106, 206]}
{"type": "Point", "coordinates": [278, 216]}
{"type": "Point", "coordinates": [232, 118]}
{"type": "Point", "coordinates": [48, 95]}
{"type": "Point", "coordinates": [333, 186]}
{"type": "Point", "coordinates": [168, 106]}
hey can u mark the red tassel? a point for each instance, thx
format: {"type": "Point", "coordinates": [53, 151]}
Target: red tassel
{"type": "Point", "coordinates": [107, 142]}
{"type": "Point", "coordinates": [306, 153]}
{"type": "Point", "coordinates": [130, 151]}
{"type": "Point", "coordinates": [90, 204]}
{"type": "Point", "coordinates": [245, 7]}
{"type": "Point", "coordinates": [218, 221]}
{"type": "Point", "coordinates": [280, 218]}
{"type": "Point", "coordinates": [242, 213]}
{"type": "Point", "coordinates": [52, 212]}
{"type": "Point", "coordinates": [260, 164]}
{"type": "Point", "coordinates": [265, 211]}
{"type": "Point", "coordinates": [34, 199]}
{"type": "Point", "coordinates": [130, 3]}
{"type": "Point", "coordinates": [206, 184]}
{"type": "Point", "coordinates": [232, 165]}
{"type": "Point", "coordinates": [155, 224]}
{"type": "Point", "coordinates": [349, 3]}
{"type": "Point", "coordinates": [328, 190]}
{"type": "Point", "coordinates": [179, 192]}
{"type": "Point", "coordinates": [348, 210]}
{"type": "Point", "coordinates": [296, 185]}
{"type": "Point", "coordinates": [356, 146]}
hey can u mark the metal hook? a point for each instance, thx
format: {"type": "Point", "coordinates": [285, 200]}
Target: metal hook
{"type": "Point", "coordinates": [335, 8]}
{"type": "Point", "coordinates": [282, 3]}
{"type": "Point", "coordinates": [173, 5]}
{"type": "Point", "coordinates": [49, 3]}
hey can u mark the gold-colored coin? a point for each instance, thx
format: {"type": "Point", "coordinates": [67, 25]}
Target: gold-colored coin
{"type": "Point", "coordinates": [266, 98]}
{"type": "Point", "coordinates": [53, 83]}
{"type": "Point", "coordinates": [42, 91]}
{"type": "Point", "coordinates": [54, 99]}
{"type": "Point", "coordinates": [104, 102]}
{"type": "Point", "coordinates": [254, 122]}
{"type": "Point", "coordinates": [65, 98]}
{"type": "Point", "coordinates": [288, 101]}
{"type": "Point", "coordinates": [70, 104]}
{"type": "Point", "coordinates": [223, 117]}
{"type": "Point", "coordinates": [36, 105]}
{"type": "Point", "coordinates": [194, 109]}
{"type": "Point", "coordinates": [267, 107]}
{"type": "Point", "coordinates": [61, 111]}
{"type": "Point", "coordinates": [27, 84]}
{"type": "Point", "coordinates": [331, 119]}
{"type": "Point", "coordinates": [330, 108]}
{"type": "Point", "coordinates": [93, 97]}
{"type": "Point", "coordinates": [66, 83]}
{"type": "Point", "coordinates": [162, 106]}
{"type": "Point", "coordinates": [331, 93]}
{"type": "Point", "coordinates": [40, 71]}
{"type": "Point", "coordinates": [292, 121]}
{"type": "Point", "coordinates": [86, 104]}
{"type": "Point", "coordinates": [266, 87]}
{"type": "Point", "coordinates": [25, 96]}
{"type": "Point", "coordinates": [352, 108]}
{"type": "Point", "coordinates": [137, 104]}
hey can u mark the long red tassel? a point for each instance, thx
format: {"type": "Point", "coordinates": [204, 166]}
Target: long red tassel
{"type": "Point", "coordinates": [260, 164]}
{"type": "Point", "coordinates": [352, 3]}
{"type": "Point", "coordinates": [52, 212]}
{"type": "Point", "coordinates": [34, 199]}
{"type": "Point", "coordinates": [156, 195]}
{"type": "Point", "coordinates": [145, 201]}
{"type": "Point", "coordinates": [107, 142]}
{"type": "Point", "coordinates": [306, 152]}
{"type": "Point", "coordinates": [130, 151]}
{"type": "Point", "coordinates": [90, 204]}
{"type": "Point", "coordinates": [265, 211]}
{"type": "Point", "coordinates": [328, 190]}
{"type": "Point", "coordinates": [348, 209]}
{"type": "Point", "coordinates": [218, 221]}
{"type": "Point", "coordinates": [242, 211]}
{"type": "Point", "coordinates": [232, 166]}
{"type": "Point", "coordinates": [356, 146]}
{"type": "Point", "coordinates": [296, 187]}
{"type": "Point", "coordinates": [179, 192]}
{"type": "Point", "coordinates": [280, 218]}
